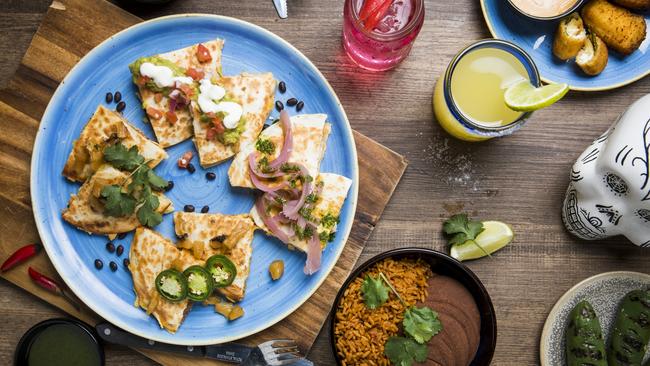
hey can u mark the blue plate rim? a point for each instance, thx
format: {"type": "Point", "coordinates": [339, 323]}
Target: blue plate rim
{"type": "Point", "coordinates": [488, 21]}
{"type": "Point", "coordinates": [46, 235]}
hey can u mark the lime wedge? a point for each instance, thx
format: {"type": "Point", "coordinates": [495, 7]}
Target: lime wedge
{"type": "Point", "coordinates": [524, 97]}
{"type": "Point", "coordinates": [495, 236]}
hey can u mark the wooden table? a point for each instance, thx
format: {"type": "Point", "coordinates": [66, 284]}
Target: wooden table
{"type": "Point", "coordinates": [520, 179]}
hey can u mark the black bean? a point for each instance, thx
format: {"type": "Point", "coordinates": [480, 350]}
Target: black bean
{"type": "Point", "coordinates": [169, 187]}
{"type": "Point", "coordinates": [99, 264]}
{"type": "Point", "coordinates": [210, 176]}
{"type": "Point", "coordinates": [120, 106]}
{"type": "Point", "coordinates": [119, 250]}
{"type": "Point", "coordinates": [182, 236]}
{"type": "Point", "coordinates": [109, 97]}
{"type": "Point", "coordinates": [300, 106]}
{"type": "Point", "coordinates": [126, 263]}
{"type": "Point", "coordinates": [292, 101]}
{"type": "Point", "coordinates": [191, 168]}
{"type": "Point", "coordinates": [188, 208]}
{"type": "Point", "coordinates": [110, 247]}
{"type": "Point", "coordinates": [282, 87]}
{"type": "Point", "coordinates": [205, 209]}
{"type": "Point", "coordinates": [113, 266]}
{"type": "Point", "coordinates": [118, 97]}
{"type": "Point", "coordinates": [121, 235]}
{"type": "Point", "coordinates": [278, 105]}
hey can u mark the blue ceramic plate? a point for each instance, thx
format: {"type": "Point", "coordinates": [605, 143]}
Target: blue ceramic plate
{"type": "Point", "coordinates": [110, 294]}
{"type": "Point", "coordinates": [536, 38]}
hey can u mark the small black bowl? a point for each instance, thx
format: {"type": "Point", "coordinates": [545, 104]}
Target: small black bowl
{"type": "Point", "coordinates": [444, 265]}
{"type": "Point", "coordinates": [21, 354]}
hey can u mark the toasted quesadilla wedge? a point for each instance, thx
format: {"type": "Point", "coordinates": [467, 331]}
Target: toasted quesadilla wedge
{"type": "Point", "coordinates": [215, 136]}
{"type": "Point", "coordinates": [325, 211]}
{"type": "Point", "coordinates": [107, 127]}
{"type": "Point", "coordinates": [86, 210]}
{"type": "Point", "coordinates": [208, 234]}
{"type": "Point", "coordinates": [152, 253]}
{"type": "Point", "coordinates": [167, 83]}
{"type": "Point", "coordinates": [309, 134]}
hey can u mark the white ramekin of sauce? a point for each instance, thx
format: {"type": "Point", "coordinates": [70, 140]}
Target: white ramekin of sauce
{"type": "Point", "coordinates": [545, 9]}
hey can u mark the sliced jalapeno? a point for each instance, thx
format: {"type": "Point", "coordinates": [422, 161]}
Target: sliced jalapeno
{"type": "Point", "coordinates": [199, 283]}
{"type": "Point", "coordinates": [222, 270]}
{"type": "Point", "coordinates": [172, 285]}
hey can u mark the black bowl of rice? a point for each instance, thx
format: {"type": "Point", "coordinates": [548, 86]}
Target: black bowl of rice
{"type": "Point", "coordinates": [423, 278]}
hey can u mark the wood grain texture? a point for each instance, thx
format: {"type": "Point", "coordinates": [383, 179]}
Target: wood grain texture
{"type": "Point", "coordinates": [54, 50]}
{"type": "Point", "coordinates": [520, 179]}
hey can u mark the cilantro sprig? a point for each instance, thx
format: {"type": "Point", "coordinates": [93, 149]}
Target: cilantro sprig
{"type": "Point", "coordinates": [420, 323]}
{"type": "Point", "coordinates": [402, 351]}
{"type": "Point", "coordinates": [138, 197]}
{"type": "Point", "coordinates": [461, 230]}
{"type": "Point", "coordinates": [375, 293]}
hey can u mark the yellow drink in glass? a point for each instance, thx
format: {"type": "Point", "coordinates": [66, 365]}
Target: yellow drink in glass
{"type": "Point", "coordinates": [468, 101]}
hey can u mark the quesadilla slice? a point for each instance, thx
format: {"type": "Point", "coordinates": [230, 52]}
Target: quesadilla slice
{"type": "Point", "coordinates": [309, 133]}
{"type": "Point", "coordinates": [205, 235]}
{"type": "Point", "coordinates": [229, 113]}
{"type": "Point", "coordinates": [167, 83]}
{"type": "Point", "coordinates": [152, 253]}
{"type": "Point", "coordinates": [87, 210]}
{"type": "Point", "coordinates": [107, 127]}
{"type": "Point", "coordinates": [317, 221]}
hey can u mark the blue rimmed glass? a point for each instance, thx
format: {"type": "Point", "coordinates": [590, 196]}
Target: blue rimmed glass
{"type": "Point", "coordinates": [482, 132]}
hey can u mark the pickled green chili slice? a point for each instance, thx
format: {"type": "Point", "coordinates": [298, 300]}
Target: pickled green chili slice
{"type": "Point", "coordinates": [222, 270]}
{"type": "Point", "coordinates": [172, 285]}
{"type": "Point", "coordinates": [199, 283]}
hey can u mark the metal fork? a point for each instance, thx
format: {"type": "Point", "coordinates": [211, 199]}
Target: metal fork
{"type": "Point", "coordinates": [277, 352]}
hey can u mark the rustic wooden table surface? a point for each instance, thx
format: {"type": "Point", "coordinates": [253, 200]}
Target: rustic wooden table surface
{"type": "Point", "coordinates": [520, 179]}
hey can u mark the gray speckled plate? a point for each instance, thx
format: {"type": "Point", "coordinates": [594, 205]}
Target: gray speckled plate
{"type": "Point", "coordinates": [604, 292]}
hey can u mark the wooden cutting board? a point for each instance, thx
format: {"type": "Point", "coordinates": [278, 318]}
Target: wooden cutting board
{"type": "Point", "coordinates": [69, 30]}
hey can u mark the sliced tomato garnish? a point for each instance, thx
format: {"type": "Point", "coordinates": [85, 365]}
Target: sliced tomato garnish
{"type": "Point", "coordinates": [154, 113]}
{"type": "Point", "coordinates": [158, 97]}
{"type": "Point", "coordinates": [203, 53]}
{"type": "Point", "coordinates": [195, 74]}
{"type": "Point", "coordinates": [171, 117]}
{"type": "Point", "coordinates": [373, 12]}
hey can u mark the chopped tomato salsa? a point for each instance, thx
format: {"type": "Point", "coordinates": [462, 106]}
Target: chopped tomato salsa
{"type": "Point", "coordinates": [195, 74]}
{"type": "Point", "coordinates": [154, 113]}
{"type": "Point", "coordinates": [203, 54]}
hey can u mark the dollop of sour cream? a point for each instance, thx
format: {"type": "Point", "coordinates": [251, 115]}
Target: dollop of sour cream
{"type": "Point", "coordinates": [209, 100]}
{"type": "Point", "coordinates": [162, 76]}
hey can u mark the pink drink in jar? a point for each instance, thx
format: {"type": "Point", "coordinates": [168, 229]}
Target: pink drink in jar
{"type": "Point", "coordinates": [389, 42]}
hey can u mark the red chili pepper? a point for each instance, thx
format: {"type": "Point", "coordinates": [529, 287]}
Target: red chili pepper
{"type": "Point", "coordinates": [51, 285]}
{"type": "Point", "coordinates": [20, 256]}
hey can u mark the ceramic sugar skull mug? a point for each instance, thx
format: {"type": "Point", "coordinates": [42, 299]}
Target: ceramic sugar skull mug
{"type": "Point", "coordinates": [609, 193]}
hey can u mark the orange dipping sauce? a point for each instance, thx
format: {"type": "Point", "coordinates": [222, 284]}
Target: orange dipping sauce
{"type": "Point", "coordinates": [544, 8]}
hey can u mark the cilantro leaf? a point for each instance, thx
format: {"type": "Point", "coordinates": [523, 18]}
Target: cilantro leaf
{"type": "Point", "coordinates": [403, 351]}
{"type": "Point", "coordinates": [123, 159]}
{"type": "Point", "coordinates": [147, 214]}
{"type": "Point", "coordinates": [118, 204]}
{"type": "Point", "coordinates": [375, 292]}
{"type": "Point", "coordinates": [421, 323]}
{"type": "Point", "coordinates": [155, 181]}
{"type": "Point", "coordinates": [462, 229]}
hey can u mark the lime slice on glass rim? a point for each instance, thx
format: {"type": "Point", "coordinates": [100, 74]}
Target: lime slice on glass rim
{"type": "Point", "coordinates": [524, 97]}
{"type": "Point", "coordinates": [495, 236]}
